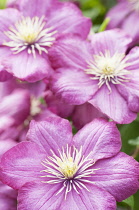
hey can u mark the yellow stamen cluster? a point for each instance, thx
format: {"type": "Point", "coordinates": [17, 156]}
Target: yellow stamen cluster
{"type": "Point", "coordinates": [107, 69]}
{"type": "Point", "coordinates": [69, 167]}
{"type": "Point", "coordinates": [31, 34]}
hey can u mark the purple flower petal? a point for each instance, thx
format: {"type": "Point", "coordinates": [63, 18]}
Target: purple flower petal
{"type": "Point", "coordinates": [16, 100]}
{"type": "Point", "coordinates": [4, 74]}
{"type": "Point", "coordinates": [113, 105]}
{"type": "Point", "coordinates": [8, 198]}
{"type": "Point", "coordinates": [5, 122]}
{"type": "Point", "coordinates": [84, 114]}
{"type": "Point", "coordinates": [46, 196]}
{"type": "Point", "coordinates": [132, 58]}
{"type": "Point", "coordinates": [117, 175]}
{"type": "Point", "coordinates": [5, 145]}
{"type": "Point", "coordinates": [55, 105]}
{"type": "Point", "coordinates": [65, 52]}
{"type": "Point", "coordinates": [7, 18]}
{"type": "Point", "coordinates": [57, 17]}
{"type": "Point", "coordinates": [36, 7]}
{"type": "Point", "coordinates": [131, 91]}
{"type": "Point", "coordinates": [9, 131]}
{"type": "Point", "coordinates": [114, 41]}
{"type": "Point", "coordinates": [52, 134]}
{"type": "Point", "coordinates": [26, 67]}
{"type": "Point", "coordinates": [96, 198]}
{"type": "Point", "coordinates": [22, 164]}
{"type": "Point", "coordinates": [117, 14]}
{"type": "Point", "coordinates": [11, 3]}
{"type": "Point", "coordinates": [7, 87]}
{"type": "Point", "coordinates": [74, 87]}
{"type": "Point", "coordinates": [100, 139]}
{"type": "Point", "coordinates": [129, 25]}
{"type": "Point", "coordinates": [74, 22]}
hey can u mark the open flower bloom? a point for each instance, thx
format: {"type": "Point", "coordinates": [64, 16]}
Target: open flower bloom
{"type": "Point", "coordinates": [54, 170]}
{"type": "Point", "coordinates": [124, 15]}
{"type": "Point", "coordinates": [8, 196]}
{"type": "Point", "coordinates": [101, 74]}
{"type": "Point", "coordinates": [28, 33]}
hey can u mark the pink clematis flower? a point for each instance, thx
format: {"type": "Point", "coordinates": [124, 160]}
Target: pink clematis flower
{"type": "Point", "coordinates": [101, 74]}
{"type": "Point", "coordinates": [28, 33]}
{"type": "Point", "coordinates": [54, 170]}
{"type": "Point", "coordinates": [124, 15]}
{"type": "Point", "coordinates": [8, 196]}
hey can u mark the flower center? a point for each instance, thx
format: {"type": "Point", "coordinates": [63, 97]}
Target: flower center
{"type": "Point", "coordinates": [30, 34]}
{"type": "Point", "coordinates": [108, 69]}
{"type": "Point", "coordinates": [134, 4]}
{"type": "Point", "coordinates": [70, 167]}
{"type": "Point", "coordinates": [67, 166]}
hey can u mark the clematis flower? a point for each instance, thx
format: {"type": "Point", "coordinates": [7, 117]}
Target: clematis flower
{"type": "Point", "coordinates": [124, 15]}
{"type": "Point", "coordinates": [28, 33]}
{"type": "Point", "coordinates": [101, 74]}
{"type": "Point", "coordinates": [8, 196]}
{"type": "Point", "coordinates": [54, 170]}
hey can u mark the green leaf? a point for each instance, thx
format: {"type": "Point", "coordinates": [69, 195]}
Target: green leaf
{"type": "Point", "coordinates": [137, 119]}
{"type": "Point", "coordinates": [91, 13]}
{"type": "Point", "coordinates": [130, 201]}
{"type": "Point", "coordinates": [88, 4]}
{"type": "Point", "coordinates": [3, 4]}
{"type": "Point", "coordinates": [109, 3]}
{"type": "Point", "coordinates": [127, 204]}
{"type": "Point", "coordinates": [42, 101]}
{"type": "Point", "coordinates": [136, 199]}
{"type": "Point", "coordinates": [128, 132]}
{"type": "Point", "coordinates": [134, 141]}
